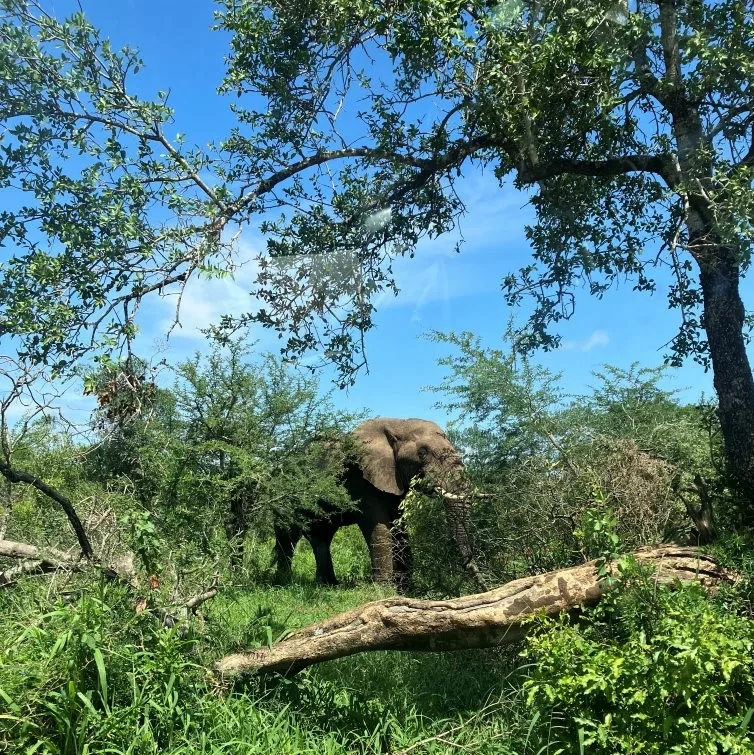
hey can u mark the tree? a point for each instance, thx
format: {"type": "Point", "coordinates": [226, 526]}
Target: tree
{"type": "Point", "coordinates": [102, 207]}
{"type": "Point", "coordinates": [630, 128]}
{"type": "Point", "coordinates": [230, 446]}
{"type": "Point", "coordinates": [623, 454]}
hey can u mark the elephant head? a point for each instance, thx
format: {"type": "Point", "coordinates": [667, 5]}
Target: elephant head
{"type": "Point", "coordinates": [394, 451]}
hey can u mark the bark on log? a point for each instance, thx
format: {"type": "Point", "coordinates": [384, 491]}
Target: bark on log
{"type": "Point", "coordinates": [34, 561]}
{"type": "Point", "coordinates": [475, 621]}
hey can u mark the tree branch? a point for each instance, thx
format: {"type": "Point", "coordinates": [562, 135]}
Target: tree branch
{"type": "Point", "coordinates": [33, 561]}
{"type": "Point", "coordinates": [17, 475]}
{"type": "Point", "coordinates": [498, 617]}
{"type": "Point", "coordinates": [661, 165]}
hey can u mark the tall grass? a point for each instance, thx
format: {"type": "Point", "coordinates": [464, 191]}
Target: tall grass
{"type": "Point", "coordinates": [82, 672]}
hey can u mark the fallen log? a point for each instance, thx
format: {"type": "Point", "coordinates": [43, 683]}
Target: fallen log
{"type": "Point", "coordinates": [483, 620]}
{"type": "Point", "coordinates": [34, 560]}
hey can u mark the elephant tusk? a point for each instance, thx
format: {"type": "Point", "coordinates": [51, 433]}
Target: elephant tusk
{"type": "Point", "coordinates": [450, 496]}
{"type": "Point", "coordinates": [464, 498]}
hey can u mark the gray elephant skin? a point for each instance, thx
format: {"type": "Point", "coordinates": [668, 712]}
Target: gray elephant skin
{"type": "Point", "coordinates": [389, 454]}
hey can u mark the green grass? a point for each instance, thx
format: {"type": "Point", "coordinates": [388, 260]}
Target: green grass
{"type": "Point", "coordinates": [89, 675]}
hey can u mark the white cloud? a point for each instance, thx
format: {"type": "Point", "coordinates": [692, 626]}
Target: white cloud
{"type": "Point", "coordinates": [596, 340]}
{"type": "Point", "coordinates": [206, 300]}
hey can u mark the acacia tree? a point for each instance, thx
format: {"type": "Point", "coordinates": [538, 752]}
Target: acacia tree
{"type": "Point", "coordinates": [630, 127]}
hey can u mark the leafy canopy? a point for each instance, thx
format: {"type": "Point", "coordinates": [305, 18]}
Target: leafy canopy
{"type": "Point", "coordinates": [576, 102]}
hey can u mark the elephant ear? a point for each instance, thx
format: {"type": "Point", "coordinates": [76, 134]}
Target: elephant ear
{"type": "Point", "coordinates": [377, 445]}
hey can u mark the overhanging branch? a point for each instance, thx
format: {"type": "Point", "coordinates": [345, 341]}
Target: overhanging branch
{"type": "Point", "coordinates": [661, 165]}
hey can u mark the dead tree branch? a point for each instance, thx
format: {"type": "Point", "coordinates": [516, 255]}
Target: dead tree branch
{"type": "Point", "coordinates": [34, 561]}
{"type": "Point", "coordinates": [497, 617]}
{"type": "Point", "coordinates": [190, 607]}
{"type": "Point", "coordinates": [17, 475]}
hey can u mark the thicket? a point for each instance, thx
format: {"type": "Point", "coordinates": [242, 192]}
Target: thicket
{"type": "Point", "coordinates": [625, 456]}
{"type": "Point", "coordinates": [182, 480]}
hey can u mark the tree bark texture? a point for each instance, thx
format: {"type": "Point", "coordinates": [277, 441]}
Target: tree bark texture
{"type": "Point", "coordinates": [483, 620]}
{"type": "Point", "coordinates": [734, 385]}
{"type": "Point", "coordinates": [34, 561]}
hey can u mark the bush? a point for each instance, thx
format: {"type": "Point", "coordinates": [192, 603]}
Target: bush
{"type": "Point", "coordinates": [88, 673]}
{"type": "Point", "coordinates": [649, 671]}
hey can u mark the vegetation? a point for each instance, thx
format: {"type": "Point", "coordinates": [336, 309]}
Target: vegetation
{"type": "Point", "coordinates": [647, 164]}
{"type": "Point", "coordinates": [136, 550]}
{"type": "Point", "coordinates": [650, 671]}
{"type": "Point", "coordinates": [625, 452]}
{"type": "Point", "coordinates": [627, 124]}
{"type": "Point", "coordinates": [90, 664]}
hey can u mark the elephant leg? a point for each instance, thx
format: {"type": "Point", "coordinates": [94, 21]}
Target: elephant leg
{"type": "Point", "coordinates": [320, 537]}
{"type": "Point", "coordinates": [379, 539]}
{"type": "Point", "coordinates": [402, 559]}
{"type": "Point", "coordinates": [286, 539]}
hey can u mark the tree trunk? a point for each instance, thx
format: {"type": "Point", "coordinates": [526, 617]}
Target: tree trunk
{"type": "Point", "coordinates": [723, 322]}
{"type": "Point", "coordinates": [475, 621]}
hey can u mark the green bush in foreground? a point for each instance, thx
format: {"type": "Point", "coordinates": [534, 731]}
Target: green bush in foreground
{"type": "Point", "coordinates": [649, 671]}
{"type": "Point", "coordinates": [82, 673]}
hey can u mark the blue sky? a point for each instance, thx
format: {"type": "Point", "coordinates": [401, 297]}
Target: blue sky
{"type": "Point", "coordinates": [440, 289]}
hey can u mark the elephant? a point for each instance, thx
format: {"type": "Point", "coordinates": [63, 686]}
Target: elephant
{"type": "Point", "coordinates": [389, 453]}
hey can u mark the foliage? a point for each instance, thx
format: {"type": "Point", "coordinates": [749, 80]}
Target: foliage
{"type": "Point", "coordinates": [52, 450]}
{"type": "Point", "coordinates": [89, 675]}
{"type": "Point", "coordinates": [236, 434]}
{"type": "Point", "coordinates": [616, 119]}
{"type": "Point", "coordinates": [649, 671]}
{"type": "Point", "coordinates": [558, 465]}
{"type": "Point", "coordinates": [90, 672]}
{"type": "Point", "coordinates": [84, 162]}
{"type": "Point", "coordinates": [628, 126]}
{"type": "Point", "coordinates": [617, 174]}
{"type": "Point", "coordinates": [436, 566]}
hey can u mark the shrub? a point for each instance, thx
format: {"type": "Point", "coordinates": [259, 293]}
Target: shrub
{"type": "Point", "coordinates": [650, 671]}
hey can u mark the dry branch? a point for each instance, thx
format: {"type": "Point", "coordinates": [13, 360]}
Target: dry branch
{"type": "Point", "coordinates": [33, 561]}
{"type": "Point", "coordinates": [15, 476]}
{"type": "Point", "coordinates": [189, 607]}
{"type": "Point", "coordinates": [484, 620]}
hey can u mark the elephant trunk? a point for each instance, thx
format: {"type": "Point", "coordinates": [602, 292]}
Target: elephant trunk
{"type": "Point", "coordinates": [458, 512]}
